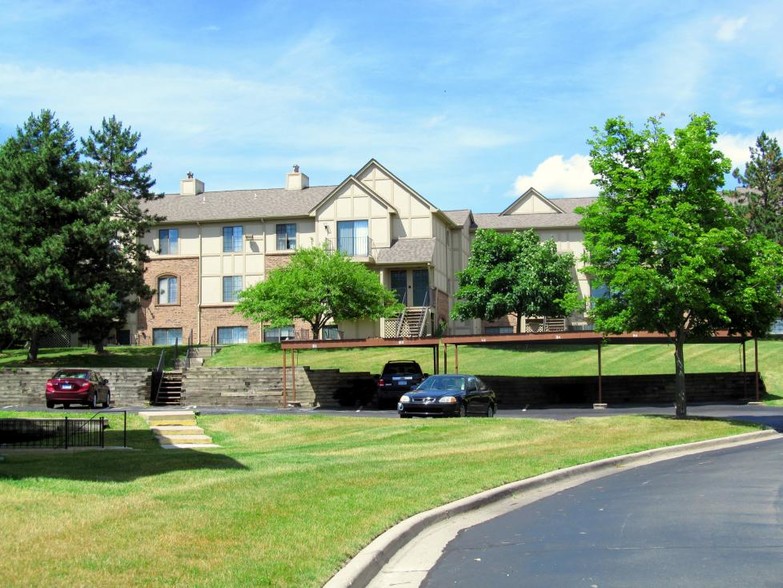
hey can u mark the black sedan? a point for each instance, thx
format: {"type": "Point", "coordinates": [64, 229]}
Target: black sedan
{"type": "Point", "coordinates": [454, 395]}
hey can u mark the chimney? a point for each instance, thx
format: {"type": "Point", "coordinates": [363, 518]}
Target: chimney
{"type": "Point", "coordinates": [296, 180]}
{"type": "Point", "coordinates": [190, 186]}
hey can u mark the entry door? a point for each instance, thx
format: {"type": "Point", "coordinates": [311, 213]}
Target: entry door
{"type": "Point", "coordinates": [399, 284]}
{"type": "Point", "coordinates": [421, 286]}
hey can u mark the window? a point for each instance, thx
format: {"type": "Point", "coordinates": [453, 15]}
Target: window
{"type": "Point", "coordinates": [330, 332]}
{"type": "Point", "coordinates": [166, 336]}
{"type": "Point", "coordinates": [277, 334]}
{"type": "Point", "coordinates": [504, 330]}
{"type": "Point", "coordinates": [286, 237]}
{"type": "Point", "coordinates": [169, 241]}
{"type": "Point", "coordinates": [353, 238]}
{"type": "Point", "coordinates": [231, 335]}
{"type": "Point", "coordinates": [232, 286]}
{"type": "Point", "coordinates": [168, 291]}
{"type": "Point", "coordinates": [232, 239]}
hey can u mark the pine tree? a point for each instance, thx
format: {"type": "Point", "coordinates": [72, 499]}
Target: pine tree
{"type": "Point", "coordinates": [40, 189]}
{"type": "Point", "coordinates": [761, 200]}
{"type": "Point", "coordinates": [110, 246]}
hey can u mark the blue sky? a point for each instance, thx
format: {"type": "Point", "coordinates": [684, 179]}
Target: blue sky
{"type": "Point", "coordinates": [469, 102]}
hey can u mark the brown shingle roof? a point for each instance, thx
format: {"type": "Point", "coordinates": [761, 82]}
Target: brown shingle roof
{"type": "Point", "coordinates": [238, 204]}
{"type": "Point", "coordinates": [568, 218]}
{"type": "Point", "coordinates": [407, 251]}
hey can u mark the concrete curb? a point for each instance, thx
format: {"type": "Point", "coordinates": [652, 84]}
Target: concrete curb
{"type": "Point", "coordinates": [362, 568]}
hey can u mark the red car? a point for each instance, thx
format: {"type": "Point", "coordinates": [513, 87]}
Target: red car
{"type": "Point", "coordinates": [77, 386]}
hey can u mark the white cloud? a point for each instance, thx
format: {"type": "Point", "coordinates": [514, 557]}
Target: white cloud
{"type": "Point", "coordinates": [737, 147]}
{"type": "Point", "coordinates": [557, 176]}
{"type": "Point", "coordinates": [728, 29]}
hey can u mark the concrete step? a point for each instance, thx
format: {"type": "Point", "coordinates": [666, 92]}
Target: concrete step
{"type": "Point", "coordinates": [169, 417]}
{"type": "Point", "coordinates": [172, 430]}
{"type": "Point", "coordinates": [184, 439]}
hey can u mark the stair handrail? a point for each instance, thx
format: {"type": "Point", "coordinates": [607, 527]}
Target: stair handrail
{"type": "Point", "coordinates": [157, 377]}
{"type": "Point", "coordinates": [401, 318]}
{"type": "Point", "coordinates": [186, 363]}
{"type": "Point", "coordinates": [423, 318]}
{"type": "Point", "coordinates": [213, 342]}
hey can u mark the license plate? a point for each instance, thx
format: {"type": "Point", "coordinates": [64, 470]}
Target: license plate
{"type": "Point", "coordinates": [67, 386]}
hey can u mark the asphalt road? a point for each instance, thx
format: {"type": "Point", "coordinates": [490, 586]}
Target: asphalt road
{"type": "Point", "coordinates": [713, 519]}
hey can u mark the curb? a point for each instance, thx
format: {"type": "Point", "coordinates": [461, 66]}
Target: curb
{"type": "Point", "coordinates": [362, 568]}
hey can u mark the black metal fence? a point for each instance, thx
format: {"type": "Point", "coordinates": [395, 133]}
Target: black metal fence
{"type": "Point", "coordinates": [52, 433]}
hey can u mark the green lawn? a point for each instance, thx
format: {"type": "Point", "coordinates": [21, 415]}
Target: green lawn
{"type": "Point", "coordinates": [284, 502]}
{"type": "Point", "coordinates": [119, 356]}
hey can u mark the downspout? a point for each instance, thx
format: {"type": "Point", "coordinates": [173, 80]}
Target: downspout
{"type": "Point", "coordinates": [198, 284]}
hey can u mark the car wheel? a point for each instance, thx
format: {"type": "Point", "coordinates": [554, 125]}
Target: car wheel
{"type": "Point", "coordinates": [91, 401]}
{"type": "Point", "coordinates": [490, 410]}
{"type": "Point", "coordinates": [49, 404]}
{"type": "Point", "coordinates": [107, 402]}
{"type": "Point", "coordinates": [462, 410]}
{"type": "Point", "coordinates": [66, 405]}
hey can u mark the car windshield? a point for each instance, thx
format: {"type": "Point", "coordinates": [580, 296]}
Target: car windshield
{"type": "Point", "coordinates": [454, 383]}
{"type": "Point", "coordinates": [81, 374]}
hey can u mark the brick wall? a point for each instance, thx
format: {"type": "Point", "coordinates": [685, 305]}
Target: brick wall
{"type": "Point", "coordinates": [224, 316]}
{"type": "Point", "coordinates": [184, 313]}
{"type": "Point", "coordinates": [272, 261]}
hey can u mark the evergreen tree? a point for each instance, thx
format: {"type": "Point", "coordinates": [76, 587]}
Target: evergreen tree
{"type": "Point", "coordinates": [110, 250]}
{"type": "Point", "coordinates": [40, 189]}
{"type": "Point", "coordinates": [761, 199]}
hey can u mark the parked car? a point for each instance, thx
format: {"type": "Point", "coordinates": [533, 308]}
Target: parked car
{"type": "Point", "coordinates": [449, 395]}
{"type": "Point", "coordinates": [398, 377]}
{"type": "Point", "coordinates": [77, 386]}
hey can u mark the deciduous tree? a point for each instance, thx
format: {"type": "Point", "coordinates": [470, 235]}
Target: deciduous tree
{"type": "Point", "coordinates": [670, 250]}
{"type": "Point", "coordinates": [317, 286]}
{"type": "Point", "coordinates": [515, 273]}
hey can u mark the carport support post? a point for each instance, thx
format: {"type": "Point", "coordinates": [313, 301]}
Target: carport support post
{"type": "Point", "coordinates": [445, 358]}
{"type": "Point", "coordinates": [285, 387]}
{"type": "Point", "coordinates": [293, 373]}
{"type": "Point", "coordinates": [600, 404]}
{"type": "Point", "coordinates": [456, 358]}
{"type": "Point", "coordinates": [756, 357]}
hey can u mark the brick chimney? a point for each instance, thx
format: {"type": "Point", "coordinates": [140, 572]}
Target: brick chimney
{"type": "Point", "coordinates": [296, 180]}
{"type": "Point", "coordinates": [190, 186]}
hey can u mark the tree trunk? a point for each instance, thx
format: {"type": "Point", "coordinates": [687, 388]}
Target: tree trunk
{"type": "Point", "coordinates": [99, 348]}
{"type": "Point", "coordinates": [32, 353]}
{"type": "Point", "coordinates": [680, 399]}
{"type": "Point", "coordinates": [519, 323]}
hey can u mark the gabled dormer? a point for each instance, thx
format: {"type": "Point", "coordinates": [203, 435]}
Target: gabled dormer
{"type": "Point", "coordinates": [532, 202]}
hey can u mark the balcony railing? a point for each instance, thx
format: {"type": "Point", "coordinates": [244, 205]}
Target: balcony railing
{"type": "Point", "coordinates": [351, 246]}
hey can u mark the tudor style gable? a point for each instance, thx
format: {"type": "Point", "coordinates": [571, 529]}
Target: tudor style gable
{"type": "Point", "coordinates": [532, 202]}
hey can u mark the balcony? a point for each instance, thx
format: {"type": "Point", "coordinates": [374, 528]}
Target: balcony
{"type": "Point", "coordinates": [351, 246]}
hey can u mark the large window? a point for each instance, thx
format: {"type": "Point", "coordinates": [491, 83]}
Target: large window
{"type": "Point", "coordinates": [277, 334]}
{"type": "Point", "coordinates": [353, 238]}
{"type": "Point", "coordinates": [166, 336]}
{"type": "Point", "coordinates": [286, 236]}
{"type": "Point", "coordinates": [231, 335]}
{"type": "Point", "coordinates": [232, 286]}
{"type": "Point", "coordinates": [232, 239]}
{"type": "Point", "coordinates": [168, 290]}
{"type": "Point", "coordinates": [169, 241]}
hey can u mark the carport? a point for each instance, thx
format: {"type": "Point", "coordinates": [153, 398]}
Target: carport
{"type": "Point", "coordinates": [293, 346]}
{"type": "Point", "coordinates": [587, 338]}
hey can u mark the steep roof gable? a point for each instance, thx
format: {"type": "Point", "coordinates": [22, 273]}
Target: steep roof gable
{"type": "Point", "coordinates": [533, 202]}
{"type": "Point", "coordinates": [340, 189]}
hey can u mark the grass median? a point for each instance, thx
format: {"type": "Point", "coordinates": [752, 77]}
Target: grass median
{"type": "Point", "coordinates": [285, 501]}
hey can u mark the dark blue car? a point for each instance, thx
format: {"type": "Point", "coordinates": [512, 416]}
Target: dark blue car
{"type": "Point", "coordinates": [448, 395]}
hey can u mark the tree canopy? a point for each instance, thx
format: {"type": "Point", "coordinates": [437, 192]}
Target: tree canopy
{"type": "Point", "coordinates": [515, 273]}
{"type": "Point", "coordinates": [760, 200]}
{"type": "Point", "coordinates": [317, 286]}
{"type": "Point", "coordinates": [671, 252]}
{"type": "Point", "coordinates": [69, 251]}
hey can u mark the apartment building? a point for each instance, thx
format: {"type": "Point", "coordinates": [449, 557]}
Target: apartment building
{"type": "Point", "coordinates": [213, 244]}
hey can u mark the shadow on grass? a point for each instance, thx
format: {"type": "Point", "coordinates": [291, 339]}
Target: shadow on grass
{"type": "Point", "coordinates": [143, 458]}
